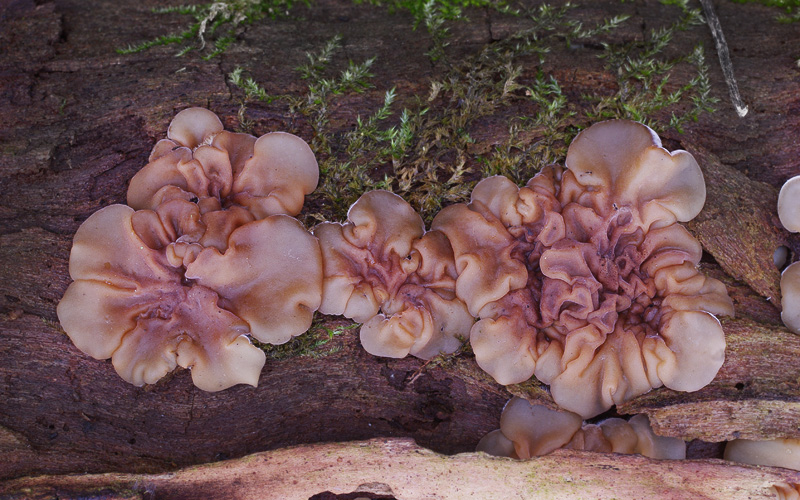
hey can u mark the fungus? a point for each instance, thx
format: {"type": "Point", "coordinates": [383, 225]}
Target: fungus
{"type": "Point", "coordinates": [790, 297]}
{"type": "Point", "coordinates": [383, 270]}
{"type": "Point", "coordinates": [528, 430]}
{"type": "Point", "coordinates": [773, 453]}
{"type": "Point", "coordinates": [218, 169]}
{"type": "Point", "coordinates": [534, 430]}
{"type": "Point", "coordinates": [151, 302]}
{"type": "Point", "coordinates": [202, 258]}
{"type": "Point", "coordinates": [786, 491]}
{"type": "Point", "coordinates": [789, 204]}
{"type": "Point", "coordinates": [789, 214]}
{"type": "Point", "coordinates": [583, 277]}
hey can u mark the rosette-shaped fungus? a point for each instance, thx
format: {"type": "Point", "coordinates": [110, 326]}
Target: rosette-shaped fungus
{"type": "Point", "coordinates": [201, 162]}
{"type": "Point", "coordinates": [131, 302]}
{"type": "Point", "coordinates": [789, 214]}
{"type": "Point", "coordinates": [201, 263]}
{"type": "Point", "coordinates": [583, 277]}
{"type": "Point", "coordinates": [528, 430]}
{"type": "Point", "coordinates": [383, 270]}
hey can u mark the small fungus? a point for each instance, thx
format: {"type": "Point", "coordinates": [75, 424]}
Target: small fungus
{"type": "Point", "coordinates": [219, 169]}
{"type": "Point", "coordinates": [203, 259]}
{"type": "Point", "coordinates": [790, 297]}
{"type": "Point", "coordinates": [773, 453]}
{"type": "Point", "coordinates": [584, 278]}
{"type": "Point", "coordinates": [383, 270]}
{"type": "Point", "coordinates": [789, 214]}
{"type": "Point", "coordinates": [528, 430]}
{"type": "Point", "coordinates": [789, 204]}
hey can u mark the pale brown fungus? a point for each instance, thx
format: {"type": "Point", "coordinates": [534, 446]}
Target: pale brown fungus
{"type": "Point", "coordinates": [216, 169]}
{"type": "Point", "coordinates": [583, 277]}
{"type": "Point", "coordinates": [789, 214]}
{"type": "Point", "coordinates": [529, 430]}
{"type": "Point", "coordinates": [204, 258]}
{"type": "Point", "coordinates": [382, 269]}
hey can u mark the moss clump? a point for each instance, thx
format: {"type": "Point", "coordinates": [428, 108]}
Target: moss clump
{"type": "Point", "coordinates": [425, 151]}
{"type": "Point", "coordinates": [316, 343]}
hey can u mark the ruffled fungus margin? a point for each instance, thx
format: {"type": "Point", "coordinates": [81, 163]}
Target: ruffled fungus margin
{"type": "Point", "coordinates": [205, 257]}
{"type": "Point", "coordinates": [383, 270]}
{"type": "Point", "coordinates": [583, 277]}
{"type": "Point", "coordinates": [528, 430]}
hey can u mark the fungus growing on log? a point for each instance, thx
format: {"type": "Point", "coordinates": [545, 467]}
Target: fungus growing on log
{"type": "Point", "coordinates": [383, 270]}
{"type": "Point", "coordinates": [774, 453]}
{"type": "Point", "coordinates": [218, 169]}
{"type": "Point", "coordinates": [789, 214]}
{"type": "Point", "coordinates": [789, 204]}
{"type": "Point", "coordinates": [790, 297]}
{"type": "Point", "coordinates": [528, 430]}
{"type": "Point", "coordinates": [786, 491]}
{"type": "Point", "coordinates": [585, 279]}
{"type": "Point", "coordinates": [203, 259]}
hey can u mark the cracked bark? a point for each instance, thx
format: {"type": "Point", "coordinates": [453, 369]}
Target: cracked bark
{"type": "Point", "coordinates": [79, 121]}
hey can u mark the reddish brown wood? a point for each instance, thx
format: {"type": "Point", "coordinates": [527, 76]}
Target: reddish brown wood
{"type": "Point", "coordinates": [78, 120]}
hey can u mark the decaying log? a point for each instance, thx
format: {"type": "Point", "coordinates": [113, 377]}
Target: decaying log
{"type": "Point", "coordinates": [78, 120]}
{"type": "Point", "coordinates": [397, 468]}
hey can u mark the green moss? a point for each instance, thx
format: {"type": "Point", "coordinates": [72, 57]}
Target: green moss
{"type": "Point", "coordinates": [645, 77]}
{"type": "Point", "coordinates": [424, 151]}
{"type": "Point", "coordinates": [315, 343]}
{"type": "Point", "coordinates": [215, 22]}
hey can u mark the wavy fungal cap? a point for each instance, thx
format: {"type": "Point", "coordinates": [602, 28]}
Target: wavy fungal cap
{"type": "Point", "coordinates": [529, 430]}
{"type": "Point", "coordinates": [583, 277]}
{"type": "Point", "coordinates": [217, 169]}
{"type": "Point", "coordinates": [204, 259]}
{"type": "Point", "coordinates": [625, 160]}
{"type": "Point", "coordinates": [128, 304]}
{"type": "Point", "coordinates": [383, 270]}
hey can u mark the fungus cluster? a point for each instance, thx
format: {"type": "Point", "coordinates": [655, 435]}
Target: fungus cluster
{"type": "Point", "coordinates": [789, 214]}
{"type": "Point", "coordinates": [383, 270]}
{"type": "Point", "coordinates": [206, 253]}
{"type": "Point", "coordinates": [585, 279]}
{"type": "Point", "coordinates": [528, 430]}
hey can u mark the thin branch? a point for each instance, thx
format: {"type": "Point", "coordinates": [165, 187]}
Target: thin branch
{"type": "Point", "coordinates": [724, 57]}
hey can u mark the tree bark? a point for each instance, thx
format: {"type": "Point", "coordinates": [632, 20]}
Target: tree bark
{"type": "Point", "coordinates": [79, 120]}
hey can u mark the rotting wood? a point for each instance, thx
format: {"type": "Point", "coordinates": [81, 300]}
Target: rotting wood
{"type": "Point", "coordinates": [79, 121]}
{"type": "Point", "coordinates": [405, 471]}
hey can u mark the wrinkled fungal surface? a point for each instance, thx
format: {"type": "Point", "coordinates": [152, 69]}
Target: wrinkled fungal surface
{"type": "Point", "coordinates": [585, 279]}
{"type": "Point", "coordinates": [383, 270]}
{"type": "Point", "coordinates": [216, 169]}
{"type": "Point", "coordinates": [528, 430]}
{"type": "Point", "coordinates": [198, 264]}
